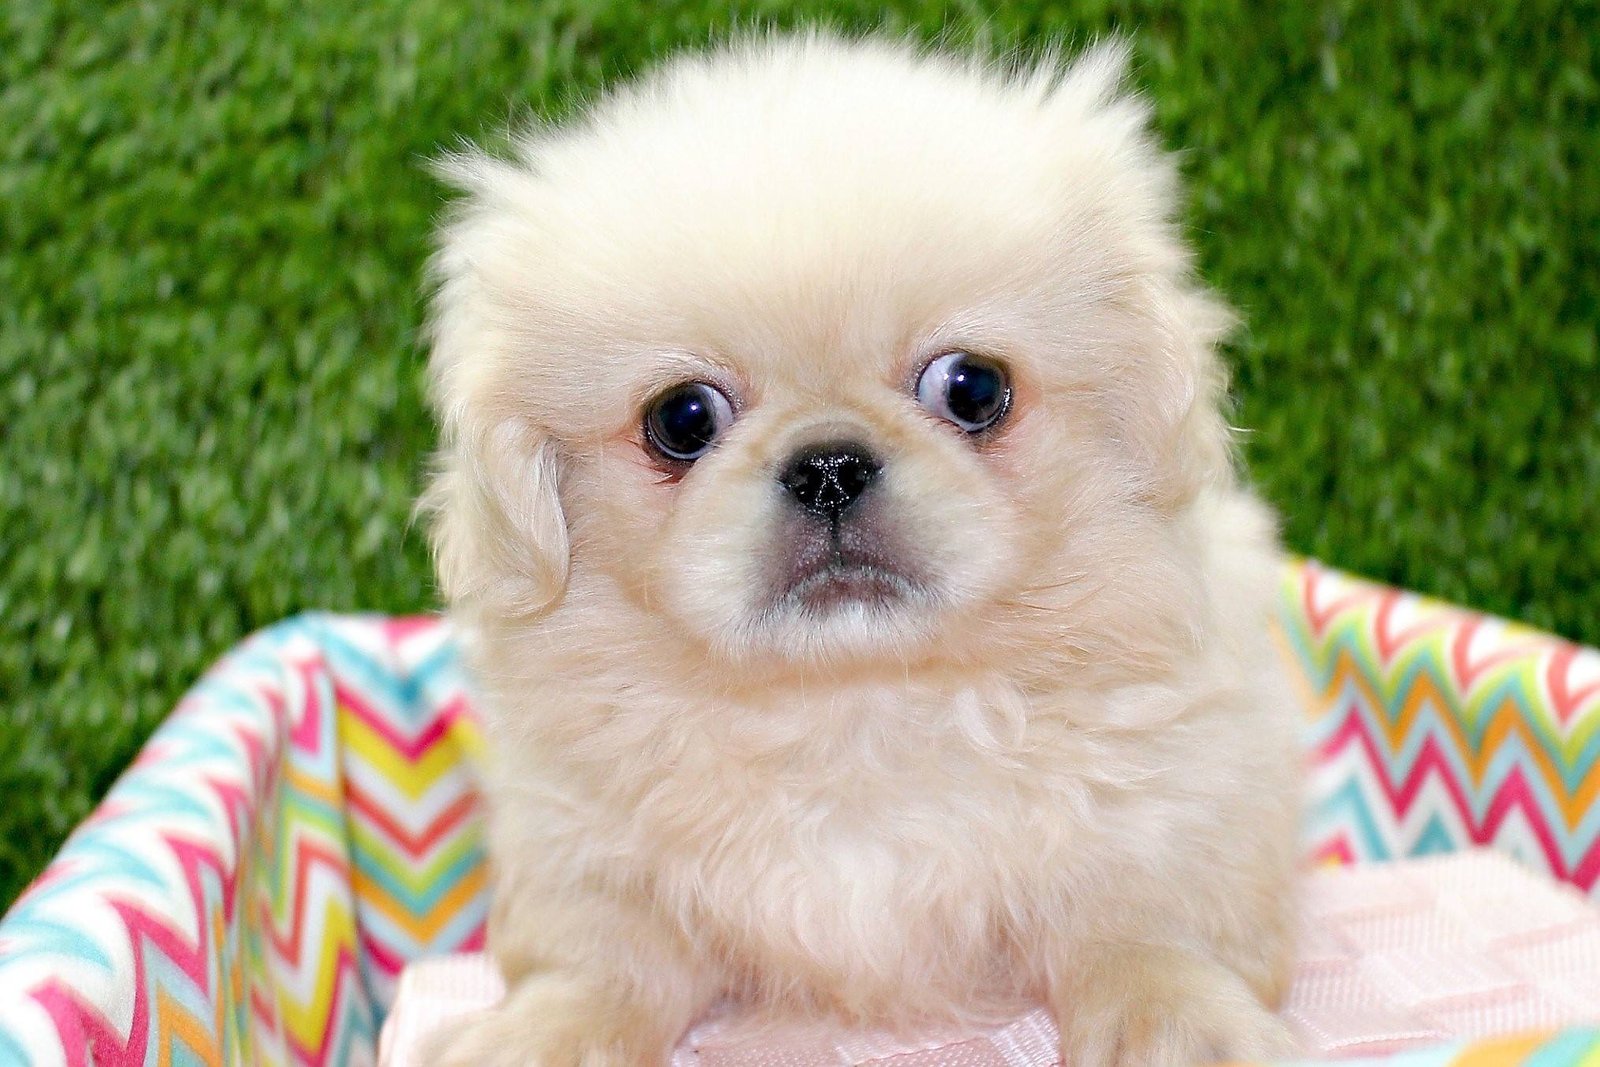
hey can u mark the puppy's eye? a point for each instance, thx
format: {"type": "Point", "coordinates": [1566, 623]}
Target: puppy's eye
{"type": "Point", "coordinates": [969, 390]}
{"type": "Point", "coordinates": [683, 422]}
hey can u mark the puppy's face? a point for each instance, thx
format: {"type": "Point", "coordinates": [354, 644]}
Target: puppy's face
{"type": "Point", "coordinates": [829, 354]}
{"type": "Point", "coordinates": [820, 494]}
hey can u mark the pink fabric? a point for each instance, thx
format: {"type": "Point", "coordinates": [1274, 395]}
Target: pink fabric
{"type": "Point", "coordinates": [1393, 957]}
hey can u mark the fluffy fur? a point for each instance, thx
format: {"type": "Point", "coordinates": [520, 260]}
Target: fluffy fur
{"type": "Point", "coordinates": [1060, 768]}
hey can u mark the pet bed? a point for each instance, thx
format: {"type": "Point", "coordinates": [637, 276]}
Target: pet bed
{"type": "Point", "coordinates": [306, 823]}
{"type": "Point", "coordinates": [1394, 957]}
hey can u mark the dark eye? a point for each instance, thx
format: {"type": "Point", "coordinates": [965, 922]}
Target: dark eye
{"type": "Point", "coordinates": [683, 422]}
{"type": "Point", "coordinates": [968, 390]}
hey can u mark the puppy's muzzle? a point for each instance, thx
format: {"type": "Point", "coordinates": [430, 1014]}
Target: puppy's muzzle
{"type": "Point", "coordinates": [836, 547]}
{"type": "Point", "coordinates": [827, 480]}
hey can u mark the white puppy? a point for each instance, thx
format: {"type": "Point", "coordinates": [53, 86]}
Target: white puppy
{"type": "Point", "coordinates": [837, 503]}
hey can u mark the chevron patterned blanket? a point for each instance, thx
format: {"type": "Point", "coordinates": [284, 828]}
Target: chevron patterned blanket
{"type": "Point", "coordinates": [306, 822]}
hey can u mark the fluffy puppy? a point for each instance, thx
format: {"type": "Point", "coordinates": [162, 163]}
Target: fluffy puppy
{"type": "Point", "coordinates": [837, 505]}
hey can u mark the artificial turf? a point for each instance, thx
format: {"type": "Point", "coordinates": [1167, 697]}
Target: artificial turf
{"type": "Point", "coordinates": [212, 220]}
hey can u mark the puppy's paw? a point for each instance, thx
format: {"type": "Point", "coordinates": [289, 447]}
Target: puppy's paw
{"type": "Point", "coordinates": [1155, 1007]}
{"type": "Point", "coordinates": [483, 1039]}
{"type": "Point", "coordinates": [548, 1023]}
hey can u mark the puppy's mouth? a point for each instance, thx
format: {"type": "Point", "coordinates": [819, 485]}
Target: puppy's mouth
{"type": "Point", "coordinates": [841, 582]}
{"type": "Point", "coordinates": [829, 567]}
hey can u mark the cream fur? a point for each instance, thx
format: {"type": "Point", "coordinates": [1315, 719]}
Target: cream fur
{"type": "Point", "coordinates": [1065, 770]}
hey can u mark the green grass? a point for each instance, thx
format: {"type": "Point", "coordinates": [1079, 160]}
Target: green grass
{"type": "Point", "coordinates": [212, 219]}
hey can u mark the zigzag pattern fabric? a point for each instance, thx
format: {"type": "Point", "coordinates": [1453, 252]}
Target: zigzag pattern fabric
{"type": "Point", "coordinates": [307, 821]}
{"type": "Point", "coordinates": [304, 823]}
{"type": "Point", "coordinates": [1432, 729]}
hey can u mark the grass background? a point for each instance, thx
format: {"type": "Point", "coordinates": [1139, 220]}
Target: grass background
{"type": "Point", "coordinates": [212, 219]}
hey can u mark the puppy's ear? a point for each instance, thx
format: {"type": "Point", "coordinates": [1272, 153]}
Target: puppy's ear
{"type": "Point", "coordinates": [499, 535]}
{"type": "Point", "coordinates": [1183, 429]}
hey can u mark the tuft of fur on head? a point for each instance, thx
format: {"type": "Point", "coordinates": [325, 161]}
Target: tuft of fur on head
{"type": "Point", "coordinates": [1047, 729]}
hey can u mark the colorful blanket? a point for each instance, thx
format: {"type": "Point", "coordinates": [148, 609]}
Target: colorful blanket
{"type": "Point", "coordinates": [307, 821]}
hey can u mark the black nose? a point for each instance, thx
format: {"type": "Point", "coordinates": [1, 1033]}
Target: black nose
{"type": "Point", "coordinates": [826, 479]}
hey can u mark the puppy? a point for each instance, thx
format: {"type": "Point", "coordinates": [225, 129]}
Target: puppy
{"type": "Point", "coordinates": [837, 505]}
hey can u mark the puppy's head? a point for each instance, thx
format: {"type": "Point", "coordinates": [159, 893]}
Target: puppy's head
{"type": "Point", "coordinates": [820, 349]}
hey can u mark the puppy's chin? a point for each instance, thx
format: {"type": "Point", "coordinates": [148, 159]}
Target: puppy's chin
{"type": "Point", "coordinates": [809, 602]}
{"type": "Point", "coordinates": [844, 584]}
{"type": "Point", "coordinates": [841, 615]}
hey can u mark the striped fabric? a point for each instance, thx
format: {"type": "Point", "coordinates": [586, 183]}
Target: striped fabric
{"type": "Point", "coordinates": [306, 822]}
{"type": "Point", "coordinates": [1432, 728]}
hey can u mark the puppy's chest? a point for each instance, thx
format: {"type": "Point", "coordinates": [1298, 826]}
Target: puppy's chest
{"type": "Point", "coordinates": [860, 871]}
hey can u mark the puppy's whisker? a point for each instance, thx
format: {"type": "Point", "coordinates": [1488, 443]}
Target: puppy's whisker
{"type": "Point", "coordinates": [1069, 580]}
{"type": "Point", "coordinates": [1070, 607]}
{"type": "Point", "coordinates": [1032, 607]}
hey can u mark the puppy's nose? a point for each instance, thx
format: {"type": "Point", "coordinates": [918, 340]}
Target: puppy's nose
{"type": "Point", "coordinates": [826, 479]}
